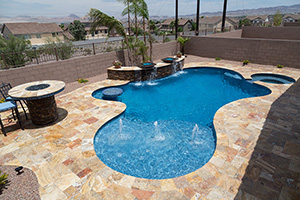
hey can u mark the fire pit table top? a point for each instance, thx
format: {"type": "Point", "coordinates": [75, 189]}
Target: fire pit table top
{"type": "Point", "coordinates": [37, 89]}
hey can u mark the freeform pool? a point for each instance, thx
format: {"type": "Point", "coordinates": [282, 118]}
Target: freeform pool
{"type": "Point", "coordinates": [167, 129]}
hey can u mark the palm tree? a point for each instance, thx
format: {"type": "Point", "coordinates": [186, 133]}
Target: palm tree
{"type": "Point", "coordinates": [152, 25]}
{"type": "Point", "coordinates": [126, 11]}
{"type": "Point", "coordinates": [172, 25]}
{"type": "Point", "coordinates": [99, 18]}
{"type": "Point", "coordinates": [143, 12]}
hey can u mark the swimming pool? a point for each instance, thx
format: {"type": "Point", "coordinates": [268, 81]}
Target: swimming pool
{"type": "Point", "coordinates": [167, 129]}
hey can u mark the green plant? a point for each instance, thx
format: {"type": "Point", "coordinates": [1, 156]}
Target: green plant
{"type": "Point", "coordinates": [82, 80]}
{"type": "Point", "coordinates": [109, 49]}
{"type": "Point", "coordinates": [280, 66]}
{"type": "Point", "coordinates": [3, 178]}
{"type": "Point", "coordinates": [217, 58]}
{"type": "Point", "coordinates": [77, 30]}
{"type": "Point", "coordinates": [64, 50]}
{"type": "Point", "coordinates": [178, 54]}
{"type": "Point", "coordinates": [142, 50]}
{"type": "Point", "coordinates": [14, 48]}
{"type": "Point", "coordinates": [245, 22]}
{"type": "Point", "coordinates": [183, 42]}
{"type": "Point", "coordinates": [117, 63]}
{"type": "Point", "coordinates": [245, 62]}
{"type": "Point", "coordinates": [277, 18]}
{"type": "Point", "coordinates": [2, 100]}
{"type": "Point", "coordinates": [88, 51]}
{"type": "Point", "coordinates": [167, 39]}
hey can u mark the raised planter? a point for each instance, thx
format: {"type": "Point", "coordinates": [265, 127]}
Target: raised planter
{"type": "Point", "coordinates": [145, 73]}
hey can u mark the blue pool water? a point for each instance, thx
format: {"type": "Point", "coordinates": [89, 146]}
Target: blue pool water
{"type": "Point", "coordinates": [157, 136]}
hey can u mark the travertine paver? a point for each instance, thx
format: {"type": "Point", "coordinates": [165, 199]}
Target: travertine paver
{"type": "Point", "coordinates": [63, 158]}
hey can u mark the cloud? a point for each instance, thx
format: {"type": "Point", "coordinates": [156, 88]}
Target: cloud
{"type": "Point", "coordinates": [112, 7]}
{"type": "Point", "coordinates": [14, 8]}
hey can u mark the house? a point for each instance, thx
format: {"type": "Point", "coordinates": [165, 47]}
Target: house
{"type": "Point", "coordinates": [291, 18]}
{"type": "Point", "coordinates": [214, 24]}
{"type": "Point", "coordinates": [259, 20]}
{"type": "Point", "coordinates": [37, 33]}
{"type": "Point", "coordinates": [185, 24]}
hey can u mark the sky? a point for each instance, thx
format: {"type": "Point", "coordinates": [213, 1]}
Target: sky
{"type": "Point", "coordinates": [59, 8]}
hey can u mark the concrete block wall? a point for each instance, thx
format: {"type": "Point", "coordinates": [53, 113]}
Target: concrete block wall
{"type": "Point", "coordinates": [283, 33]}
{"type": "Point", "coordinates": [261, 51]}
{"type": "Point", "coordinates": [72, 69]}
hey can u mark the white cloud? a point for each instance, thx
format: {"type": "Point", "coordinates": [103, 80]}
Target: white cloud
{"type": "Point", "coordinates": [114, 8]}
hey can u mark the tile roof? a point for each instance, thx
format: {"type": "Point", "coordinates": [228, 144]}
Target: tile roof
{"type": "Point", "coordinates": [210, 20]}
{"type": "Point", "coordinates": [32, 27]}
{"type": "Point", "coordinates": [181, 21]}
{"type": "Point", "coordinates": [215, 20]}
{"type": "Point", "coordinates": [294, 16]}
{"type": "Point", "coordinates": [252, 17]}
{"type": "Point", "coordinates": [68, 35]}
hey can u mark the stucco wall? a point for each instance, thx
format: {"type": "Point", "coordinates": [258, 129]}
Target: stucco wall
{"type": "Point", "coordinates": [284, 33]}
{"type": "Point", "coordinates": [261, 51]}
{"type": "Point", "coordinates": [44, 37]}
{"type": "Point", "coordinates": [72, 69]}
{"type": "Point", "coordinates": [6, 33]}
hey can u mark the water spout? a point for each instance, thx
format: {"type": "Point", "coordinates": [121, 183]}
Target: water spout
{"type": "Point", "coordinates": [158, 135]}
{"type": "Point", "coordinates": [120, 125]}
{"type": "Point", "coordinates": [123, 136]}
{"type": "Point", "coordinates": [174, 66]}
{"type": "Point", "coordinates": [195, 135]}
{"type": "Point", "coordinates": [152, 77]}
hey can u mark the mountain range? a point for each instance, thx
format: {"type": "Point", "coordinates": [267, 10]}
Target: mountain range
{"type": "Point", "coordinates": [259, 11]}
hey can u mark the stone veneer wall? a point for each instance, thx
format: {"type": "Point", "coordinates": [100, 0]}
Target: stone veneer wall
{"type": "Point", "coordinates": [143, 74]}
{"type": "Point", "coordinates": [72, 69]}
{"type": "Point", "coordinates": [283, 33]}
{"type": "Point", "coordinates": [261, 51]}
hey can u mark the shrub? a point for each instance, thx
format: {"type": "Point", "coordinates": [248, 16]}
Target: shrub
{"type": "Point", "coordinates": [280, 66]}
{"type": "Point", "coordinates": [82, 80]}
{"type": "Point", "coordinates": [3, 178]}
{"type": "Point", "coordinates": [167, 39]}
{"type": "Point", "coordinates": [14, 48]}
{"type": "Point", "coordinates": [109, 49]}
{"type": "Point", "coordinates": [87, 51]}
{"type": "Point", "coordinates": [245, 62]}
{"type": "Point", "coordinates": [64, 49]}
{"type": "Point", "coordinates": [217, 58]}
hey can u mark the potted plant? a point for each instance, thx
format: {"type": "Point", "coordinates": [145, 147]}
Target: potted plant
{"type": "Point", "coordinates": [178, 54]}
{"type": "Point", "coordinates": [117, 64]}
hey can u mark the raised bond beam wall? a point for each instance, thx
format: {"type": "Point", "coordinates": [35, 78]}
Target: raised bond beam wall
{"type": "Point", "coordinates": [72, 69]}
{"type": "Point", "coordinates": [261, 51]}
{"type": "Point", "coordinates": [142, 74]}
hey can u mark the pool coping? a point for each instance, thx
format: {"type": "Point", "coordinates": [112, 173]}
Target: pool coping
{"type": "Point", "coordinates": [220, 158]}
{"type": "Point", "coordinates": [237, 124]}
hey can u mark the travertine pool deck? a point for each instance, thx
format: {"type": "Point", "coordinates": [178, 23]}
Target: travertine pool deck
{"type": "Point", "coordinates": [63, 158]}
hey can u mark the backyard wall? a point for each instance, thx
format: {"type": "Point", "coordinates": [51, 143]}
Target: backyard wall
{"type": "Point", "coordinates": [261, 51]}
{"type": "Point", "coordinates": [284, 33]}
{"type": "Point", "coordinates": [72, 69]}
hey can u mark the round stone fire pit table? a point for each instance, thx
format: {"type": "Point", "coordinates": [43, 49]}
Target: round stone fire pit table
{"type": "Point", "coordinates": [39, 96]}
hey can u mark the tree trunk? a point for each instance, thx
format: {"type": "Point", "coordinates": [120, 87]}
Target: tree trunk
{"type": "Point", "coordinates": [136, 26]}
{"type": "Point", "coordinates": [150, 42]}
{"type": "Point", "coordinates": [128, 18]}
{"type": "Point", "coordinates": [128, 50]}
{"type": "Point", "coordinates": [144, 27]}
